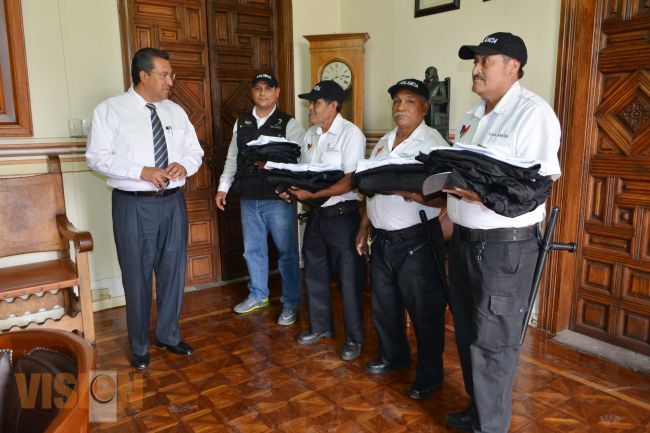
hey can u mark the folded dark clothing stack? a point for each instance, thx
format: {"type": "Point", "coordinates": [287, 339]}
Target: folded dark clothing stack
{"type": "Point", "coordinates": [506, 189]}
{"type": "Point", "coordinates": [386, 179]}
{"type": "Point", "coordinates": [312, 181]}
{"type": "Point", "coordinates": [277, 152]}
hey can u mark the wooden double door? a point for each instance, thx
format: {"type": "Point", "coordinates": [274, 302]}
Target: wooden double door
{"type": "Point", "coordinates": [603, 101]}
{"type": "Point", "coordinates": [216, 46]}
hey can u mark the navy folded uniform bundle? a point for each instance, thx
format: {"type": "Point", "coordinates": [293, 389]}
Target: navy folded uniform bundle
{"type": "Point", "coordinates": [281, 151]}
{"type": "Point", "coordinates": [506, 189]}
{"type": "Point", "coordinates": [301, 176]}
{"type": "Point", "coordinates": [389, 178]}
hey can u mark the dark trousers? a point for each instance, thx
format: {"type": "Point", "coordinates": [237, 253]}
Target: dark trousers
{"type": "Point", "coordinates": [151, 237]}
{"type": "Point", "coordinates": [329, 250]}
{"type": "Point", "coordinates": [490, 283]}
{"type": "Point", "coordinates": [403, 275]}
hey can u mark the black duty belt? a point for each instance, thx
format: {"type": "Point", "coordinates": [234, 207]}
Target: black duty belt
{"type": "Point", "coordinates": [509, 234]}
{"type": "Point", "coordinates": [342, 208]}
{"type": "Point", "coordinates": [402, 234]}
{"type": "Point", "coordinates": [159, 193]}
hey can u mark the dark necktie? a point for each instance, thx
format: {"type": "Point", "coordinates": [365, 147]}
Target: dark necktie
{"type": "Point", "coordinates": [159, 143]}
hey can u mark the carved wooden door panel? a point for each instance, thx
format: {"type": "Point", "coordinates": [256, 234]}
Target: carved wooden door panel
{"type": "Point", "coordinates": [179, 27]}
{"type": "Point", "coordinates": [604, 106]}
{"type": "Point", "coordinates": [243, 41]}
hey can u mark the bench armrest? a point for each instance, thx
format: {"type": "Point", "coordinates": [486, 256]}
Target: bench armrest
{"type": "Point", "coordinates": [83, 241]}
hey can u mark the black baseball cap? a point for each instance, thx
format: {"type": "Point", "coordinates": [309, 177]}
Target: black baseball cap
{"type": "Point", "coordinates": [326, 89]}
{"type": "Point", "coordinates": [414, 85]}
{"type": "Point", "coordinates": [497, 43]}
{"type": "Point", "coordinates": [266, 77]}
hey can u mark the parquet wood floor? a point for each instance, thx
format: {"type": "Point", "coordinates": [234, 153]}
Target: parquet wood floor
{"type": "Point", "coordinates": [249, 376]}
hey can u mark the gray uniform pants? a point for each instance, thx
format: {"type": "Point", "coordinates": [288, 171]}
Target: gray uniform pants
{"type": "Point", "coordinates": [151, 237]}
{"type": "Point", "coordinates": [490, 283]}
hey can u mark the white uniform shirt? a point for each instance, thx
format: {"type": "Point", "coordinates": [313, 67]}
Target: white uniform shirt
{"type": "Point", "coordinates": [294, 135]}
{"type": "Point", "coordinates": [521, 124]}
{"type": "Point", "coordinates": [392, 212]}
{"type": "Point", "coordinates": [342, 146]}
{"type": "Point", "coordinates": [121, 141]}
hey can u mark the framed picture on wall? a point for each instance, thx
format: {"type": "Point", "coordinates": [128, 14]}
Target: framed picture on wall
{"type": "Point", "coordinates": [428, 7]}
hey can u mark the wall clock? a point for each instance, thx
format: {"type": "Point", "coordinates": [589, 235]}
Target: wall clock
{"type": "Point", "coordinates": [340, 57]}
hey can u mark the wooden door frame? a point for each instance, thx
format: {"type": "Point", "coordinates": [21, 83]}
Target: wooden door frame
{"type": "Point", "coordinates": [576, 69]}
{"type": "Point", "coordinates": [284, 31]}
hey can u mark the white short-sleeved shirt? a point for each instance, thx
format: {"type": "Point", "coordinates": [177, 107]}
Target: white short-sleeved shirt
{"type": "Point", "coordinates": [392, 212]}
{"type": "Point", "coordinates": [121, 141]}
{"type": "Point", "coordinates": [522, 125]}
{"type": "Point", "coordinates": [341, 146]}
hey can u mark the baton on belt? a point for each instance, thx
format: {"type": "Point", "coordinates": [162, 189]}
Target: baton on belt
{"type": "Point", "coordinates": [546, 246]}
{"type": "Point", "coordinates": [441, 270]}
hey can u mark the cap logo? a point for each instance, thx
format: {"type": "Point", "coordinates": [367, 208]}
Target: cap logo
{"type": "Point", "coordinates": [409, 83]}
{"type": "Point", "coordinates": [264, 76]}
{"type": "Point", "coordinates": [490, 40]}
{"type": "Point", "coordinates": [317, 88]}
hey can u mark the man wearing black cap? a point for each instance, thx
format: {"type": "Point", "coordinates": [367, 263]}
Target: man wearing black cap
{"type": "Point", "coordinates": [492, 257]}
{"type": "Point", "coordinates": [261, 210]}
{"type": "Point", "coordinates": [328, 243]}
{"type": "Point", "coordinates": [403, 272]}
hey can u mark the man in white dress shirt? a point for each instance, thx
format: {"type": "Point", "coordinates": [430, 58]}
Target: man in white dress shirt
{"type": "Point", "coordinates": [492, 257]}
{"type": "Point", "coordinates": [146, 147]}
{"type": "Point", "coordinates": [403, 269]}
{"type": "Point", "coordinates": [262, 211]}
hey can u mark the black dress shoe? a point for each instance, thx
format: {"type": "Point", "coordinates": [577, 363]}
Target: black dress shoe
{"type": "Point", "coordinates": [379, 366]}
{"type": "Point", "coordinates": [459, 420]}
{"type": "Point", "coordinates": [182, 348]}
{"type": "Point", "coordinates": [312, 337]}
{"type": "Point", "coordinates": [350, 351]}
{"type": "Point", "coordinates": [140, 362]}
{"type": "Point", "coordinates": [419, 392]}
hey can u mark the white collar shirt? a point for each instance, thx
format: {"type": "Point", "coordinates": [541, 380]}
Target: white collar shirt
{"type": "Point", "coordinates": [341, 146]}
{"type": "Point", "coordinates": [121, 141]}
{"type": "Point", "coordinates": [521, 125]}
{"type": "Point", "coordinates": [392, 212]}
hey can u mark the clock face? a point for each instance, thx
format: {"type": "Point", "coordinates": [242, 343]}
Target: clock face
{"type": "Point", "coordinates": [338, 72]}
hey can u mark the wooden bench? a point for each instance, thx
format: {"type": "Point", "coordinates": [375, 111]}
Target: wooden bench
{"type": "Point", "coordinates": [33, 219]}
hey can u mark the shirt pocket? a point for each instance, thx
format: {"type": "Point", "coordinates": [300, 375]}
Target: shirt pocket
{"type": "Point", "coordinates": [175, 142]}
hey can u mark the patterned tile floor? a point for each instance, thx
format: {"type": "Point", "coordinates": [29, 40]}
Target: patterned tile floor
{"type": "Point", "coordinates": [248, 375]}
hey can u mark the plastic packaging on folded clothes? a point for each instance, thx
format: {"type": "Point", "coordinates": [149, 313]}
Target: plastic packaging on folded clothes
{"type": "Point", "coordinates": [510, 188]}
{"type": "Point", "coordinates": [276, 149]}
{"type": "Point", "coordinates": [310, 177]}
{"type": "Point", "coordinates": [388, 175]}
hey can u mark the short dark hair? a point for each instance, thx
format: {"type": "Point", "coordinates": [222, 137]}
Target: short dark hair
{"type": "Point", "coordinates": [520, 72]}
{"type": "Point", "coordinates": [339, 104]}
{"type": "Point", "coordinates": [143, 61]}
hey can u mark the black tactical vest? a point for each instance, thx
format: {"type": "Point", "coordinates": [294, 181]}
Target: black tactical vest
{"type": "Point", "coordinates": [249, 183]}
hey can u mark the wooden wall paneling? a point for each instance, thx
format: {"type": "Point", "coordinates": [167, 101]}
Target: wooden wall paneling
{"type": "Point", "coordinates": [246, 37]}
{"type": "Point", "coordinates": [603, 101]}
{"type": "Point", "coordinates": [15, 108]}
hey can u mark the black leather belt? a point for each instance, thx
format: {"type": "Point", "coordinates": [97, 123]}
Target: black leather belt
{"type": "Point", "coordinates": [159, 193]}
{"type": "Point", "coordinates": [342, 208]}
{"type": "Point", "coordinates": [509, 234]}
{"type": "Point", "coordinates": [400, 235]}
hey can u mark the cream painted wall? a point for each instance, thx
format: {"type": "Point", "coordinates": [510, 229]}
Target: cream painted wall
{"type": "Point", "coordinates": [74, 61]}
{"type": "Point", "coordinates": [310, 17]}
{"type": "Point", "coordinates": [402, 46]}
